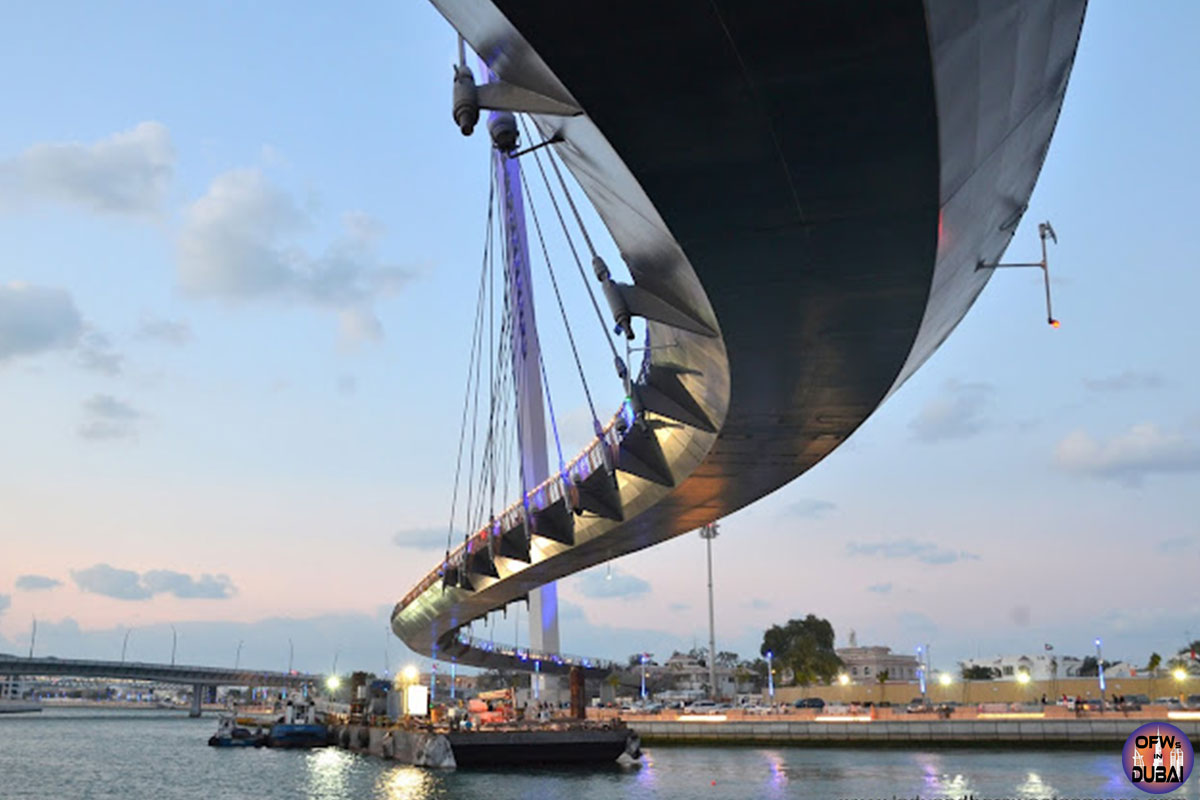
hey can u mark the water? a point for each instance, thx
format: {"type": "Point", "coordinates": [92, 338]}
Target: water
{"type": "Point", "coordinates": [111, 754]}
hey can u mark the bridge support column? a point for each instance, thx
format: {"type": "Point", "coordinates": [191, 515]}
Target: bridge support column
{"type": "Point", "coordinates": [197, 697]}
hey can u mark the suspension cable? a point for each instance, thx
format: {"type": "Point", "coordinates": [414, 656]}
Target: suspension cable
{"type": "Point", "coordinates": [571, 243]}
{"type": "Point", "coordinates": [462, 430]}
{"type": "Point", "coordinates": [561, 309]}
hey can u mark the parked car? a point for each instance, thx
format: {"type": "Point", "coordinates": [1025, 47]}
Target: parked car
{"type": "Point", "coordinates": [702, 707]}
{"type": "Point", "coordinates": [918, 705]}
{"type": "Point", "coordinates": [1193, 701]}
{"type": "Point", "coordinates": [1172, 703]}
{"type": "Point", "coordinates": [810, 702]}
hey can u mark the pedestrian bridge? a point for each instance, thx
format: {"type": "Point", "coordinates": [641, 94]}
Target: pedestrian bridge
{"type": "Point", "coordinates": [809, 198]}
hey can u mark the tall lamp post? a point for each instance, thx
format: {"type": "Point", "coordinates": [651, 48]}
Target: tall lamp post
{"type": "Point", "coordinates": [708, 533]}
{"type": "Point", "coordinates": [644, 657]}
{"type": "Point", "coordinates": [125, 643]}
{"type": "Point", "coordinates": [1100, 669]}
{"type": "Point", "coordinates": [770, 677]}
{"type": "Point", "coordinates": [174, 641]}
{"type": "Point", "coordinates": [237, 659]}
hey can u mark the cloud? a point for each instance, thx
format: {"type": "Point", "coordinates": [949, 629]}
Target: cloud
{"type": "Point", "coordinates": [956, 414]}
{"type": "Point", "coordinates": [127, 173]}
{"type": "Point", "coordinates": [925, 552]}
{"type": "Point", "coordinates": [165, 581]}
{"type": "Point", "coordinates": [425, 538]}
{"type": "Point", "coordinates": [155, 329]}
{"type": "Point", "coordinates": [916, 622]}
{"type": "Point", "coordinates": [96, 353]}
{"type": "Point", "coordinates": [34, 583]}
{"type": "Point", "coordinates": [1129, 457]}
{"type": "Point", "coordinates": [1177, 544]}
{"type": "Point", "coordinates": [108, 418]}
{"type": "Point", "coordinates": [239, 243]}
{"type": "Point", "coordinates": [125, 584]}
{"type": "Point", "coordinates": [1127, 380]}
{"type": "Point", "coordinates": [677, 607]}
{"type": "Point", "coordinates": [598, 584]}
{"type": "Point", "coordinates": [880, 588]}
{"type": "Point", "coordinates": [121, 584]}
{"type": "Point", "coordinates": [758, 604]}
{"type": "Point", "coordinates": [810, 508]}
{"type": "Point", "coordinates": [36, 319]}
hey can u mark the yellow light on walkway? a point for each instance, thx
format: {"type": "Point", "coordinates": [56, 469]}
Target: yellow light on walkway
{"type": "Point", "coordinates": [1022, 677]}
{"type": "Point", "coordinates": [332, 683]}
{"type": "Point", "coordinates": [411, 674]}
{"type": "Point", "coordinates": [944, 679]}
{"type": "Point", "coordinates": [1180, 674]}
{"type": "Point", "coordinates": [844, 679]}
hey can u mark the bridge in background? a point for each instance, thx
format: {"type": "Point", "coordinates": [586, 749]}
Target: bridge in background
{"type": "Point", "coordinates": [198, 678]}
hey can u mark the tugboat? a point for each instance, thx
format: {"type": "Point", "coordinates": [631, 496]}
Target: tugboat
{"type": "Point", "coordinates": [230, 734]}
{"type": "Point", "coordinates": [299, 727]}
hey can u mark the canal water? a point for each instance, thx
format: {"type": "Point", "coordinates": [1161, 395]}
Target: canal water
{"type": "Point", "coordinates": [163, 756]}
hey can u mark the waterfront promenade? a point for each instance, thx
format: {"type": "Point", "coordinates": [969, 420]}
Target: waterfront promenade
{"type": "Point", "coordinates": [965, 727]}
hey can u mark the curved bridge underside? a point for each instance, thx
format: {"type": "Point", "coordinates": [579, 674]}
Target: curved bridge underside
{"type": "Point", "coordinates": [812, 186]}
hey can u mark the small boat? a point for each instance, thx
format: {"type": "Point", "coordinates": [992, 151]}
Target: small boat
{"type": "Point", "coordinates": [230, 734]}
{"type": "Point", "coordinates": [299, 727]}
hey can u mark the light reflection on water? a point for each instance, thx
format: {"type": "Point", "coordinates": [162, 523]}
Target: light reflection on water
{"type": "Point", "coordinates": [101, 755]}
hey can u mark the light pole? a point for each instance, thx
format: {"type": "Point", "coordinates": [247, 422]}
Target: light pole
{"type": "Point", "coordinates": [1100, 670]}
{"type": "Point", "coordinates": [770, 677]}
{"type": "Point", "coordinates": [644, 676]}
{"type": "Point", "coordinates": [921, 671]}
{"type": "Point", "coordinates": [174, 641]}
{"type": "Point", "coordinates": [291, 652]}
{"type": "Point", "coordinates": [125, 643]}
{"type": "Point", "coordinates": [708, 533]}
{"type": "Point", "coordinates": [237, 659]}
{"type": "Point", "coordinates": [32, 637]}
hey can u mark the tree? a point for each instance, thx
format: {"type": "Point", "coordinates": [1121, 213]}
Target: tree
{"type": "Point", "coordinates": [882, 677]}
{"type": "Point", "coordinates": [1152, 667]}
{"type": "Point", "coordinates": [494, 679]}
{"type": "Point", "coordinates": [804, 646]}
{"type": "Point", "coordinates": [727, 659]}
{"type": "Point", "coordinates": [978, 672]}
{"type": "Point", "coordinates": [1088, 668]}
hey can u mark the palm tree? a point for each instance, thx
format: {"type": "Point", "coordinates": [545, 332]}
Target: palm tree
{"type": "Point", "coordinates": [882, 677]}
{"type": "Point", "coordinates": [1152, 666]}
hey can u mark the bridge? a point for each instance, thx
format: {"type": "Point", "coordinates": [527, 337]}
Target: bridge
{"type": "Point", "coordinates": [808, 197]}
{"type": "Point", "coordinates": [196, 677]}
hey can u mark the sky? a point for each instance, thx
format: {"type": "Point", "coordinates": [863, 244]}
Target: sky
{"type": "Point", "coordinates": [238, 252]}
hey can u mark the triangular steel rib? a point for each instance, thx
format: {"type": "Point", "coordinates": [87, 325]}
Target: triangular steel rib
{"type": "Point", "coordinates": [514, 543]}
{"type": "Point", "coordinates": [642, 302]}
{"type": "Point", "coordinates": [663, 393]}
{"type": "Point", "coordinates": [598, 494]}
{"type": "Point", "coordinates": [555, 522]}
{"type": "Point", "coordinates": [641, 454]}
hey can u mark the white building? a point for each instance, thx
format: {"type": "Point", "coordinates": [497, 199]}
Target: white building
{"type": "Point", "coordinates": [864, 664]}
{"type": "Point", "coordinates": [1040, 666]}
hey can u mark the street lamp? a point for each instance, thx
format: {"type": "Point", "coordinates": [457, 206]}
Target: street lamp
{"type": "Point", "coordinates": [125, 643]}
{"type": "Point", "coordinates": [1180, 674]}
{"type": "Point", "coordinates": [844, 679]}
{"type": "Point", "coordinates": [1023, 677]}
{"type": "Point", "coordinates": [1100, 668]}
{"type": "Point", "coordinates": [770, 678]}
{"type": "Point", "coordinates": [411, 674]}
{"type": "Point", "coordinates": [237, 659]}
{"type": "Point", "coordinates": [944, 679]}
{"type": "Point", "coordinates": [708, 533]}
{"type": "Point", "coordinates": [174, 641]}
{"type": "Point", "coordinates": [332, 683]}
{"type": "Point", "coordinates": [644, 677]}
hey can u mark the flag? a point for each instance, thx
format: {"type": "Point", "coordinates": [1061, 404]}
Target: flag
{"type": "Point", "coordinates": [1049, 646]}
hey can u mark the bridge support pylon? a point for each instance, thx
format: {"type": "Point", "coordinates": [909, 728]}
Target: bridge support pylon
{"type": "Point", "coordinates": [197, 697]}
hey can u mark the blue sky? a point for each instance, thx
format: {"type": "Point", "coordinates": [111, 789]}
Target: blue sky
{"type": "Point", "coordinates": [239, 246]}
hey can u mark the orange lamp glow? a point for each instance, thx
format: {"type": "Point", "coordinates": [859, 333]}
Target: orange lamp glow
{"type": "Point", "coordinates": [1055, 323]}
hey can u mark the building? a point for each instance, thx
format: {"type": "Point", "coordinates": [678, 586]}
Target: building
{"type": "Point", "coordinates": [864, 664]}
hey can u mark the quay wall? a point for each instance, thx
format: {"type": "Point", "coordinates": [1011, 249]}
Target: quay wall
{"type": "Point", "coordinates": [1041, 733]}
{"type": "Point", "coordinates": [994, 691]}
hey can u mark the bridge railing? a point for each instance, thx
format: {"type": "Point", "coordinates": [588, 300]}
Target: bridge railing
{"type": "Point", "coordinates": [556, 487]}
{"type": "Point", "coordinates": [526, 654]}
